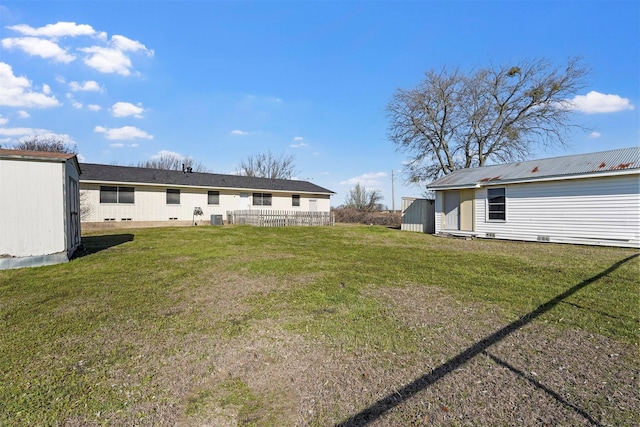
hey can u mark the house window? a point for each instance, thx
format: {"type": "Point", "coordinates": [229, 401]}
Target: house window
{"type": "Point", "coordinates": [116, 194]}
{"type": "Point", "coordinates": [125, 195]}
{"type": "Point", "coordinates": [214, 197]}
{"type": "Point", "coordinates": [173, 196]}
{"type": "Point", "coordinates": [497, 204]}
{"type": "Point", "coordinates": [261, 199]}
{"type": "Point", "coordinates": [295, 200]}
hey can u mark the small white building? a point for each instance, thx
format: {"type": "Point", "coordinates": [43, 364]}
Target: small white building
{"type": "Point", "coordinates": [39, 208]}
{"type": "Point", "coordinates": [583, 199]}
{"type": "Point", "coordinates": [418, 215]}
{"type": "Point", "coordinates": [132, 196]}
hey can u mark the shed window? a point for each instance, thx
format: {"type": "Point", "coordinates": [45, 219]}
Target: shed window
{"type": "Point", "coordinates": [497, 204]}
{"type": "Point", "coordinates": [295, 200]}
{"type": "Point", "coordinates": [116, 194]}
{"type": "Point", "coordinates": [214, 197]}
{"type": "Point", "coordinates": [261, 199]}
{"type": "Point", "coordinates": [173, 196]}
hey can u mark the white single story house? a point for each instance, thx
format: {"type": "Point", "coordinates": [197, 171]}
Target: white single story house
{"type": "Point", "coordinates": [39, 208]}
{"type": "Point", "coordinates": [114, 195]}
{"type": "Point", "coordinates": [589, 199]}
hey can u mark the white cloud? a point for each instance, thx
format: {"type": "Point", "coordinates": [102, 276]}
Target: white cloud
{"type": "Point", "coordinates": [23, 114]}
{"type": "Point", "coordinates": [596, 102]}
{"type": "Point", "coordinates": [16, 91]}
{"type": "Point", "coordinates": [125, 44]}
{"type": "Point", "coordinates": [39, 47]}
{"type": "Point", "coordinates": [126, 132]}
{"type": "Point", "coordinates": [595, 134]}
{"type": "Point", "coordinates": [107, 60]}
{"type": "Point", "coordinates": [76, 105]}
{"type": "Point", "coordinates": [27, 133]}
{"type": "Point", "coordinates": [116, 144]}
{"type": "Point", "coordinates": [298, 138]}
{"type": "Point", "coordinates": [300, 145]}
{"type": "Point", "coordinates": [3, 120]}
{"type": "Point", "coordinates": [125, 109]}
{"type": "Point", "coordinates": [94, 107]}
{"type": "Point", "coordinates": [166, 153]}
{"type": "Point", "coordinates": [86, 86]}
{"type": "Point", "coordinates": [59, 29]}
{"type": "Point", "coordinates": [16, 132]}
{"type": "Point", "coordinates": [367, 179]}
{"type": "Point", "coordinates": [239, 132]}
{"type": "Point", "coordinates": [114, 58]}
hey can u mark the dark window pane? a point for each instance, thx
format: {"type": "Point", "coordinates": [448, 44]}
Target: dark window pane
{"type": "Point", "coordinates": [266, 199]}
{"type": "Point", "coordinates": [125, 195]}
{"type": "Point", "coordinates": [173, 196]}
{"type": "Point", "coordinates": [295, 200]}
{"type": "Point", "coordinates": [108, 194]}
{"type": "Point", "coordinates": [214, 198]}
{"type": "Point", "coordinates": [497, 204]}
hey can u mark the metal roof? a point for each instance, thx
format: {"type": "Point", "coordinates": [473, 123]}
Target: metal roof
{"type": "Point", "coordinates": [625, 160]}
{"type": "Point", "coordinates": [92, 172]}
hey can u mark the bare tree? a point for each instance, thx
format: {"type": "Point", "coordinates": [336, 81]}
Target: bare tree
{"type": "Point", "coordinates": [362, 199]}
{"type": "Point", "coordinates": [85, 205]}
{"type": "Point", "coordinates": [266, 165]}
{"type": "Point", "coordinates": [50, 143]}
{"type": "Point", "coordinates": [173, 162]}
{"type": "Point", "coordinates": [453, 120]}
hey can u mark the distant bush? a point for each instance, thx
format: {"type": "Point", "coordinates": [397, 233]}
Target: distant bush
{"type": "Point", "coordinates": [355, 216]}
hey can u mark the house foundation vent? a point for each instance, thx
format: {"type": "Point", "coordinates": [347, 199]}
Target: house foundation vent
{"type": "Point", "coordinates": [543, 238]}
{"type": "Point", "coordinates": [491, 234]}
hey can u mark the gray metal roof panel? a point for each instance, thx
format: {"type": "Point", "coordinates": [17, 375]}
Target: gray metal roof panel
{"type": "Point", "coordinates": [625, 159]}
{"type": "Point", "coordinates": [110, 173]}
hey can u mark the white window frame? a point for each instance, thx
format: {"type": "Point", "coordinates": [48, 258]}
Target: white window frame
{"type": "Point", "coordinates": [489, 204]}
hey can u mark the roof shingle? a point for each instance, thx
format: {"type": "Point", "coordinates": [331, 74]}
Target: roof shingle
{"type": "Point", "coordinates": [128, 174]}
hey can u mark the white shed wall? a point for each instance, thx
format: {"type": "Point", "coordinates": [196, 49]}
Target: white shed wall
{"type": "Point", "coordinates": [150, 204]}
{"type": "Point", "coordinates": [32, 208]}
{"type": "Point", "coordinates": [603, 211]}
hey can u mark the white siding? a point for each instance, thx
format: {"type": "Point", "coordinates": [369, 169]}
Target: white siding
{"type": "Point", "coordinates": [32, 208]}
{"type": "Point", "coordinates": [150, 204]}
{"type": "Point", "coordinates": [603, 211]}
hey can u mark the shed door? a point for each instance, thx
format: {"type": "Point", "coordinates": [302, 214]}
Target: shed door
{"type": "Point", "coordinates": [451, 210]}
{"type": "Point", "coordinates": [313, 205]}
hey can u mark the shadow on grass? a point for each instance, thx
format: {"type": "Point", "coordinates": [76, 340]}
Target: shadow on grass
{"type": "Point", "coordinates": [93, 244]}
{"type": "Point", "coordinates": [379, 408]}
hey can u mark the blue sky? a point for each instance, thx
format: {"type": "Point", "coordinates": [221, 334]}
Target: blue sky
{"type": "Point", "coordinates": [221, 80]}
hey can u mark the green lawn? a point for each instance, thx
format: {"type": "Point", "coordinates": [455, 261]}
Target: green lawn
{"type": "Point", "coordinates": [209, 325]}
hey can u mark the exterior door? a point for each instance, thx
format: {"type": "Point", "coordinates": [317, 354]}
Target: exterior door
{"type": "Point", "coordinates": [244, 202]}
{"type": "Point", "coordinates": [452, 210]}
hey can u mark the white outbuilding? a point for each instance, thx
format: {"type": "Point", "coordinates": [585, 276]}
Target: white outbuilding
{"type": "Point", "coordinates": [39, 208]}
{"type": "Point", "coordinates": [589, 199]}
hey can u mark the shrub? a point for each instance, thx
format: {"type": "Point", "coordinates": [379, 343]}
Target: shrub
{"type": "Point", "coordinates": [355, 216]}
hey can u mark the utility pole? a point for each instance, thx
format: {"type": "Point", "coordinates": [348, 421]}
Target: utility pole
{"type": "Point", "coordinates": [393, 193]}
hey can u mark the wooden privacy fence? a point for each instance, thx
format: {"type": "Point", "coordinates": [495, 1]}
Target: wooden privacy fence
{"type": "Point", "coordinates": [275, 218]}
